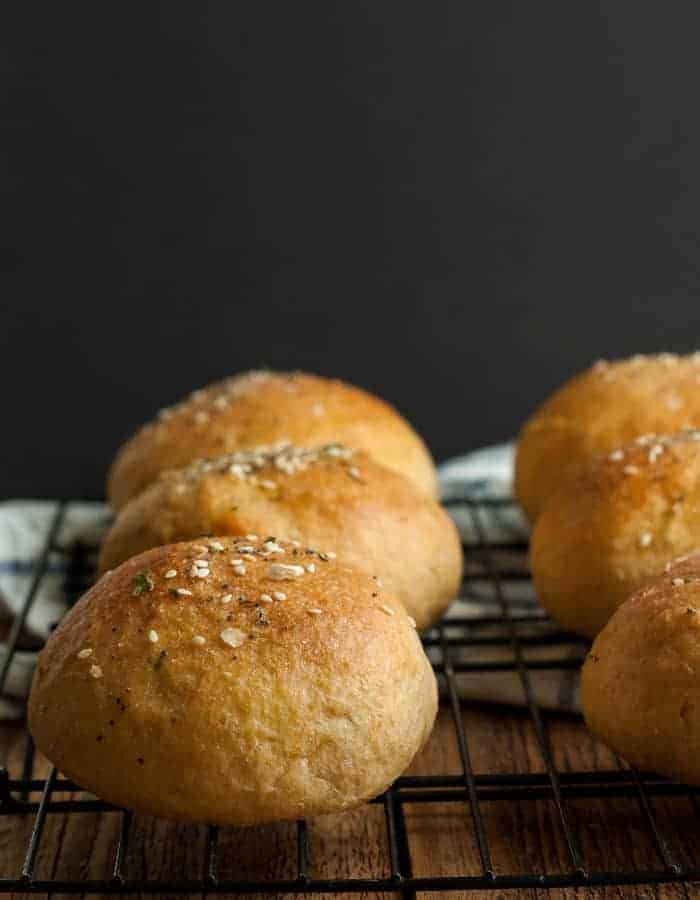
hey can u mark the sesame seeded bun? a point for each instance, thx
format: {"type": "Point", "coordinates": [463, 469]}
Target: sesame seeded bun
{"type": "Point", "coordinates": [263, 408]}
{"type": "Point", "coordinates": [640, 687]}
{"type": "Point", "coordinates": [371, 517]}
{"type": "Point", "coordinates": [256, 692]}
{"type": "Point", "coordinates": [615, 526]}
{"type": "Point", "coordinates": [603, 408]}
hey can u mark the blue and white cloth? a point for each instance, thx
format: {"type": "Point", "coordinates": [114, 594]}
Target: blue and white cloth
{"type": "Point", "coordinates": [484, 476]}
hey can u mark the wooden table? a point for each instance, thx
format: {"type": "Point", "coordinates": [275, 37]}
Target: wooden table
{"type": "Point", "coordinates": [524, 835]}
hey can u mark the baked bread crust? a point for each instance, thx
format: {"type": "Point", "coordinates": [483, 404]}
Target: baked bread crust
{"type": "Point", "coordinates": [228, 703]}
{"type": "Point", "coordinates": [613, 527]}
{"type": "Point", "coordinates": [263, 407]}
{"type": "Point", "coordinates": [373, 518]}
{"type": "Point", "coordinates": [598, 410]}
{"type": "Point", "coordinates": [640, 688]}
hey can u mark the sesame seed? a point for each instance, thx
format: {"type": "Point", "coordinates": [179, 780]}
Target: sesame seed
{"type": "Point", "coordinates": [202, 562]}
{"type": "Point", "coordinates": [183, 592]}
{"type": "Point", "coordinates": [645, 539]}
{"type": "Point", "coordinates": [171, 573]}
{"type": "Point", "coordinates": [199, 549]}
{"type": "Point", "coordinates": [153, 636]}
{"type": "Point", "coordinates": [387, 609]}
{"type": "Point", "coordinates": [272, 547]}
{"type": "Point", "coordinates": [265, 598]}
{"type": "Point", "coordinates": [314, 611]}
{"type": "Point", "coordinates": [279, 595]}
{"type": "Point", "coordinates": [677, 582]}
{"type": "Point", "coordinates": [96, 671]}
{"type": "Point", "coordinates": [83, 654]}
{"type": "Point", "coordinates": [311, 568]}
{"type": "Point", "coordinates": [199, 640]}
{"type": "Point", "coordinates": [234, 637]}
{"type": "Point", "coordinates": [616, 455]}
{"type": "Point", "coordinates": [282, 572]}
{"type": "Point", "coordinates": [267, 484]}
{"type": "Point", "coordinates": [227, 598]}
{"type": "Point", "coordinates": [221, 402]}
{"type": "Point", "coordinates": [295, 544]}
{"type": "Point", "coordinates": [216, 547]}
{"type": "Point", "coordinates": [330, 554]}
{"type": "Point", "coordinates": [201, 418]}
{"type": "Point", "coordinates": [631, 470]}
{"type": "Point", "coordinates": [239, 570]}
{"type": "Point", "coordinates": [236, 562]}
{"type": "Point", "coordinates": [251, 537]}
{"type": "Point", "coordinates": [412, 621]}
{"type": "Point", "coordinates": [655, 452]}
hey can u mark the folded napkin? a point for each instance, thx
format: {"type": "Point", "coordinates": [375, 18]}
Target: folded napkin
{"type": "Point", "coordinates": [477, 491]}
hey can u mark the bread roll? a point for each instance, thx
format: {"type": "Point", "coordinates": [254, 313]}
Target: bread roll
{"type": "Point", "coordinates": [614, 526]}
{"type": "Point", "coordinates": [640, 686]}
{"type": "Point", "coordinates": [263, 408]}
{"type": "Point", "coordinates": [373, 518]}
{"type": "Point", "coordinates": [603, 408]}
{"type": "Point", "coordinates": [218, 681]}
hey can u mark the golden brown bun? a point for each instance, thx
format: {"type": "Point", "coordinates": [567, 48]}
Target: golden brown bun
{"type": "Point", "coordinates": [263, 408]}
{"type": "Point", "coordinates": [640, 686]}
{"type": "Point", "coordinates": [228, 704]}
{"type": "Point", "coordinates": [614, 526]}
{"type": "Point", "coordinates": [373, 518]}
{"type": "Point", "coordinates": [605, 407]}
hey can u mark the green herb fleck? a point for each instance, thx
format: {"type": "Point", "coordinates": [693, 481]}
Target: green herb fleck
{"type": "Point", "coordinates": [142, 583]}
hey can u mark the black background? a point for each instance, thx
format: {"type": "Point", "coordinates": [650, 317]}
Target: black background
{"type": "Point", "coordinates": [454, 204]}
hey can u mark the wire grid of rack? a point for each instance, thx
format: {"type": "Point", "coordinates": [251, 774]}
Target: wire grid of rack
{"type": "Point", "coordinates": [25, 795]}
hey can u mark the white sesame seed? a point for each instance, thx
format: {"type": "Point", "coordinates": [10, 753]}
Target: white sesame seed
{"type": "Point", "coordinates": [655, 452]}
{"type": "Point", "coordinates": [153, 636]}
{"type": "Point", "coordinates": [216, 547]}
{"type": "Point", "coordinates": [251, 537]}
{"type": "Point", "coordinates": [236, 562]}
{"type": "Point", "coordinates": [645, 539]}
{"type": "Point", "coordinates": [221, 402]}
{"type": "Point", "coordinates": [227, 598]}
{"type": "Point", "coordinates": [265, 598]}
{"type": "Point", "coordinates": [630, 470]}
{"type": "Point", "coordinates": [616, 455]}
{"type": "Point", "coordinates": [314, 611]}
{"type": "Point", "coordinates": [199, 640]}
{"type": "Point", "coordinates": [96, 671]}
{"type": "Point", "coordinates": [171, 573]}
{"type": "Point", "coordinates": [272, 547]}
{"type": "Point", "coordinates": [83, 654]}
{"type": "Point", "coordinates": [279, 595]}
{"type": "Point", "coordinates": [354, 472]}
{"type": "Point", "coordinates": [234, 637]}
{"type": "Point", "coordinates": [310, 567]}
{"type": "Point", "coordinates": [267, 484]}
{"type": "Point", "coordinates": [677, 582]}
{"type": "Point", "coordinates": [412, 621]}
{"type": "Point", "coordinates": [282, 572]}
{"type": "Point", "coordinates": [295, 544]}
{"type": "Point", "coordinates": [330, 554]}
{"type": "Point", "coordinates": [183, 592]}
{"type": "Point", "coordinates": [239, 570]}
{"type": "Point", "coordinates": [387, 609]}
{"type": "Point", "coordinates": [201, 418]}
{"type": "Point", "coordinates": [202, 562]}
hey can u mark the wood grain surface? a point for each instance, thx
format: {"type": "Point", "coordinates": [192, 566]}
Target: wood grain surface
{"type": "Point", "coordinates": [523, 835]}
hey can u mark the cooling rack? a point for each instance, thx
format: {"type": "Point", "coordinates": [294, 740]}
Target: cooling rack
{"type": "Point", "coordinates": [571, 806]}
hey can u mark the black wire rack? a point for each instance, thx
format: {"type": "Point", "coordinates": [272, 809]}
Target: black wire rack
{"type": "Point", "coordinates": [459, 648]}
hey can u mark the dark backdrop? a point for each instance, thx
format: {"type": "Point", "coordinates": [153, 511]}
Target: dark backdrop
{"type": "Point", "coordinates": [454, 204]}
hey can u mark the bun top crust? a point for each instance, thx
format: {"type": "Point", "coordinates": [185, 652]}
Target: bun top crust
{"type": "Point", "coordinates": [603, 408]}
{"type": "Point", "coordinates": [615, 525]}
{"type": "Point", "coordinates": [333, 496]}
{"type": "Point", "coordinates": [233, 681]}
{"type": "Point", "coordinates": [258, 408]}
